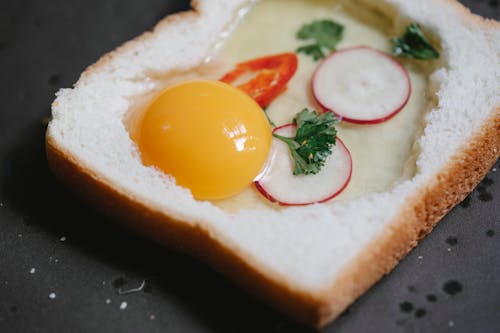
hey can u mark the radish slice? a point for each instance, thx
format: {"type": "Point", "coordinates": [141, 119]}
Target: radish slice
{"type": "Point", "coordinates": [279, 184]}
{"type": "Point", "coordinates": [362, 85]}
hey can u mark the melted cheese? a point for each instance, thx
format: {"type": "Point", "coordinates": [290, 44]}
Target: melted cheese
{"type": "Point", "coordinates": [382, 154]}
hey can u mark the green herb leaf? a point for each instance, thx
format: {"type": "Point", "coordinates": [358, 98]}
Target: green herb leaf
{"type": "Point", "coordinates": [413, 44]}
{"type": "Point", "coordinates": [313, 141]}
{"type": "Point", "coordinates": [313, 50]}
{"type": "Point", "coordinates": [326, 35]}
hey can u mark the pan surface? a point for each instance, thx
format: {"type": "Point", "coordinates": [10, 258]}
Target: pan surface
{"type": "Point", "coordinates": [66, 268]}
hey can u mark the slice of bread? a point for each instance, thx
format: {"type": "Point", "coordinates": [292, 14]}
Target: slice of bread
{"type": "Point", "coordinates": [309, 262]}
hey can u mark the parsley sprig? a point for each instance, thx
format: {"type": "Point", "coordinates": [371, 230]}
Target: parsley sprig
{"type": "Point", "coordinates": [313, 141]}
{"type": "Point", "coordinates": [326, 35]}
{"type": "Point", "coordinates": [413, 44]}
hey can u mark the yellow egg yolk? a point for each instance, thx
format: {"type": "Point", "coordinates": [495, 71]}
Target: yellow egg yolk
{"type": "Point", "coordinates": [211, 137]}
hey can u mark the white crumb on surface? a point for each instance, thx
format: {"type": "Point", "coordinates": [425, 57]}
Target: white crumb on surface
{"type": "Point", "coordinates": [108, 301]}
{"type": "Point", "coordinates": [451, 323]}
{"type": "Point", "coordinates": [52, 295]}
{"type": "Point", "coordinates": [32, 270]}
{"type": "Point", "coordinates": [420, 257]}
{"type": "Point", "coordinates": [52, 259]}
{"type": "Point", "coordinates": [449, 249]}
{"type": "Point", "coordinates": [63, 239]}
{"type": "Point", "coordinates": [123, 305]}
{"type": "Point", "coordinates": [152, 317]}
{"type": "Point", "coordinates": [133, 290]}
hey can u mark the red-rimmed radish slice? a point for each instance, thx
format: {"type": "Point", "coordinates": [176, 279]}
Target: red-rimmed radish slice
{"type": "Point", "coordinates": [362, 85]}
{"type": "Point", "coordinates": [279, 184]}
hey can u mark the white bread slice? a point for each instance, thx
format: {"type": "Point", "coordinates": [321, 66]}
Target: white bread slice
{"type": "Point", "coordinates": [309, 262]}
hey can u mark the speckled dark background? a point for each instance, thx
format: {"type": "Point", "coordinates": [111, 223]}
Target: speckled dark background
{"type": "Point", "coordinates": [51, 243]}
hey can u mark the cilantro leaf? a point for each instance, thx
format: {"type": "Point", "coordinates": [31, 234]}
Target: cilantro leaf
{"type": "Point", "coordinates": [413, 44]}
{"type": "Point", "coordinates": [313, 50]}
{"type": "Point", "coordinates": [313, 141]}
{"type": "Point", "coordinates": [326, 35]}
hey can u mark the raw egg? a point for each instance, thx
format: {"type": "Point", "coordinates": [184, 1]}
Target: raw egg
{"type": "Point", "coordinates": [211, 137]}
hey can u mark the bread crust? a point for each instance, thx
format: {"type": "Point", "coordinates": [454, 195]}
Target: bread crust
{"type": "Point", "coordinates": [455, 181]}
{"type": "Point", "coordinates": [450, 186]}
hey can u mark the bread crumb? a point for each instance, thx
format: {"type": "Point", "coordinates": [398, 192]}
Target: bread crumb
{"type": "Point", "coordinates": [420, 257]}
{"type": "Point", "coordinates": [63, 239]}
{"type": "Point", "coordinates": [451, 323]}
{"type": "Point", "coordinates": [108, 301]}
{"type": "Point", "coordinates": [32, 270]}
{"type": "Point", "coordinates": [152, 317]}
{"type": "Point", "coordinates": [52, 295]}
{"type": "Point", "coordinates": [123, 305]}
{"type": "Point", "coordinates": [133, 290]}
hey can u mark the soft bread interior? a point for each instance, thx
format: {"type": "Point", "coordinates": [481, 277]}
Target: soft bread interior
{"type": "Point", "coordinates": [306, 249]}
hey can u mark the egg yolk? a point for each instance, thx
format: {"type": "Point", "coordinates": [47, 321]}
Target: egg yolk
{"type": "Point", "coordinates": [210, 136]}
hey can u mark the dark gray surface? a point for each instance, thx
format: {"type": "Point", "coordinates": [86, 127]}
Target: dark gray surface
{"type": "Point", "coordinates": [44, 45]}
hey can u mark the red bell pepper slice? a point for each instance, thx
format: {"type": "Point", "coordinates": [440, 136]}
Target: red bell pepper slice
{"type": "Point", "coordinates": [272, 75]}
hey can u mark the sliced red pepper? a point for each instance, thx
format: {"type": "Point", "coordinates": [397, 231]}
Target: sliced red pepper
{"type": "Point", "coordinates": [272, 75]}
